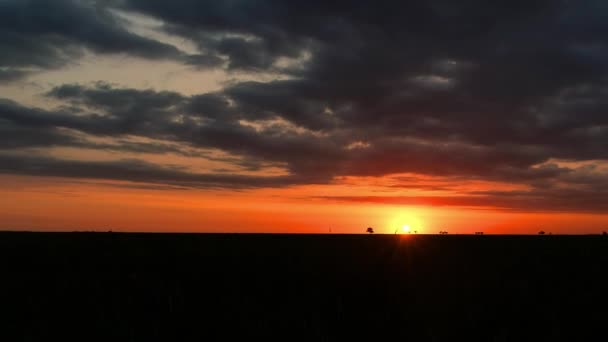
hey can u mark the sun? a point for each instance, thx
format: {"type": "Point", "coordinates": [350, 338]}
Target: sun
{"type": "Point", "coordinates": [406, 222]}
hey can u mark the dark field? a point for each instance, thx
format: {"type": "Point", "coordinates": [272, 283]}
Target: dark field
{"type": "Point", "coordinates": [182, 287]}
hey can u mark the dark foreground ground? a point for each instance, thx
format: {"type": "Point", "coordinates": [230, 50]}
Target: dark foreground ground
{"type": "Point", "coordinates": [173, 287]}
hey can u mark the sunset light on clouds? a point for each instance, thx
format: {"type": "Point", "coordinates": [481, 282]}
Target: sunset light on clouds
{"type": "Point", "coordinates": [237, 116]}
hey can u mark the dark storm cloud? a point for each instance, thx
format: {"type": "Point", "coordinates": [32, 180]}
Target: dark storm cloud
{"type": "Point", "coordinates": [49, 34]}
{"type": "Point", "coordinates": [305, 154]}
{"type": "Point", "coordinates": [125, 110]}
{"type": "Point", "coordinates": [292, 100]}
{"type": "Point", "coordinates": [22, 127]}
{"type": "Point", "coordinates": [11, 74]}
{"type": "Point", "coordinates": [18, 136]}
{"type": "Point", "coordinates": [158, 116]}
{"type": "Point", "coordinates": [208, 120]}
{"type": "Point", "coordinates": [476, 71]}
{"type": "Point", "coordinates": [14, 136]}
{"type": "Point", "coordinates": [156, 113]}
{"type": "Point", "coordinates": [478, 90]}
{"type": "Point", "coordinates": [133, 170]}
{"type": "Point", "coordinates": [252, 36]}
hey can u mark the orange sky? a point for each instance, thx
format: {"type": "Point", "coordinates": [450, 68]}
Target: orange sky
{"type": "Point", "coordinates": [45, 203]}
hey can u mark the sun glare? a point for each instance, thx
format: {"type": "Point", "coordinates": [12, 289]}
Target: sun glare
{"type": "Point", "coordinates": [406, 222]}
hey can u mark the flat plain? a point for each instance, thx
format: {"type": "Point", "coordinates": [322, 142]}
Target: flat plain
{"type": "Point", "coordinates": [194, 287]}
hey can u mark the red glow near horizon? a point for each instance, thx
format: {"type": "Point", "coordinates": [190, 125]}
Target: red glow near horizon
{"type": "Point", "coordinates": [53, 205]}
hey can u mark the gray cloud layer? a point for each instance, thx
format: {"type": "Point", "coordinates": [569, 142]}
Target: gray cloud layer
{"type": "Point", "coordinates": [49, 34]}
{"type": "Point", "coordinates": [489, 91]}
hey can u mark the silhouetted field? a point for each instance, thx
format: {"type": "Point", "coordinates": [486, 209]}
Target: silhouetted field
{"type": "Point", "coordinates": [195, 287]}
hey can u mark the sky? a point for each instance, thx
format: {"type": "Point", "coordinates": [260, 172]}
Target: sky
{"type": "Point", "coordinates": [304, 116]}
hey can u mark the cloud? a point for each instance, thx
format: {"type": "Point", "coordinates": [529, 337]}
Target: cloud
{"type": "Point", "coordinates": [215, 121]}
{"type": "Point", "coordinates": [14, 136]}
{"type": "Point", "coordinates": [135, 171]}
{"type": "Point", "coordinates": [49, 34]}
{"type": "Point", "coordinates": [493, 92]}
{"type": "Point", "coordinates": [518, 201]}
{"type": "Point", "coordinates": [11, 74]}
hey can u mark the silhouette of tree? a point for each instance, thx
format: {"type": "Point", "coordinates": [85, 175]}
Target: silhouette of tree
{"type": "Point", "coordinates": [542, 232]}
{"type": "Point", "coordinates": [604, 233]}
{"type": "Point", "coordinates": [370, 230]}
{"type": "Point", "coordinates": [478, 233]}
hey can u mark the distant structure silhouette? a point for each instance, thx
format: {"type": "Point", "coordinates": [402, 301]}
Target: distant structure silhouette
{"type": "Point", "coordinates": [478, 233]}
{"type": "Point", "coordinates": [443, 232]}
{"type": "Point", "coordinates": [370, 230]}
{"type": "Point", "coordinates": [604, 233]}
